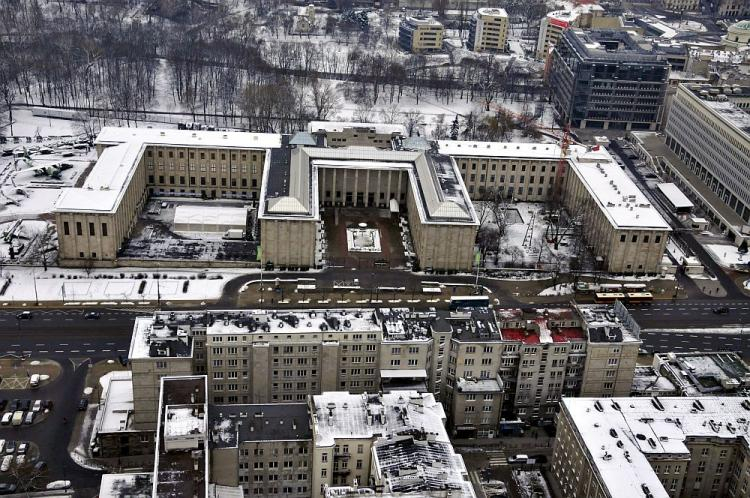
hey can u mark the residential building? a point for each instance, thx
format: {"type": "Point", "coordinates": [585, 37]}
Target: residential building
{"type": "Point", "coordinates": [114, 433]}
{"type": "Point", "coordinates": [265, 449]}
{"type": "Point", "coordinates": [703, 373]}
{"type": "Point", "coordinates": [711, 135]}
{"type": "Point", "coordinates": [488, 30]}
{"type": "Point", "coordinates": [420, 35]}
{"type": "Point", "coordinates": [736, 9]}
{"type": "Point", "coordinates": [477, 362]}
{"type": "Point", "coordinates": [656, 447]}
{"type": "Point", "coordinates": [603, 79]}
{"type": "Point", "coordinates": [364, 438]}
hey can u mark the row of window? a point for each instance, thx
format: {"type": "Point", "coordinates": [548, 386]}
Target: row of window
{"type": "Point", "coordinates": [79, 229]}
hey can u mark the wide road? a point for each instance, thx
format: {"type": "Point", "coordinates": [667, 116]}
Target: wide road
{"type": "Point", "coordinates": [692, 314]}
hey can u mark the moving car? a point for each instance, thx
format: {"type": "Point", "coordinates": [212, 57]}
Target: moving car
{"type": "Point", "coordinates": [92, 315]}
{"type": "Point", "coordinates": [83, 404]}
{"type": "Point", "coordinates": [722, 310]}
{"type": "Point", "coordinates": [34, 380]}
{"type": "Point", "coordinates": [24, 315]}
{"type": "Point", "coordinates": [518, 459]}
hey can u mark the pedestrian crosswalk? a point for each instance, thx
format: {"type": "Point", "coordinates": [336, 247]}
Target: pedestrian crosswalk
{"type": "Point", "coordinates": [496, 458]}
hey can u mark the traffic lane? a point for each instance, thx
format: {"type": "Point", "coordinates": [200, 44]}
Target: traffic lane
{"type": "Point", "coordinates": [686, 342]}
{"type": "Point", "coordinates": [55, 318]}
{"type": "Point", "coordinates": [687, 314]}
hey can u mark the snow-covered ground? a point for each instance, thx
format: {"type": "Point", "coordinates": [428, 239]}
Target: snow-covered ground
{"type": "Point", "coordinates": [558, 290]}
{"type": "Point", "coordinates": [531, 484]}
{"type": "Point", "coordinates": [728, 255]}
{"type": "Point", "coordinates": [524, 243]}
{"type": "Point", "coordinates": [105, 286]}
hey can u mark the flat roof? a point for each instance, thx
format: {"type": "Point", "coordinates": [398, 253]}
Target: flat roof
{"type": "Point", "coordinates": [108, 180]}
{"type": "Point", "coordinates": [340, 126]}
{"type": "Point", "coordinates": [154, 337]}
{"type": "Point", "coordinates": [115, 414]}
{"type": "Point", "coordinates": [492, 11]}
{"type": "Point", "coordinates": [619, 433]}
{"type": "Point", "coordinates": [136, 485]}
{"type": "Point", "coordinates": [500, 150]}
{"type": "Point", "coordinates": [623, 203]}
{"type": "Point", "coordinates": [339, 414]}
{"type": "Point", "coordinates": [230, 425]}
{"type": "Point", "coordinates": [675, 196]}
{"type": "Point", "coordinates": [188, 138]}
{"type": "Point", "coordinates": [189, 214]}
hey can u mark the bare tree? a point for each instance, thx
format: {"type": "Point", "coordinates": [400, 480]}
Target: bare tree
{"type": "Point", "coordinates": [7, 85]}
{"type": "Point", "coordinates": [43, 247]}
{"type": "Point", "coordinates": [413, 120]}
{"type": "Point", "coordinates": [325, 98]}
{"type": "Point", "coordinates": [363, 113]}
{"type": "Point", "coordinates": [389, 114]}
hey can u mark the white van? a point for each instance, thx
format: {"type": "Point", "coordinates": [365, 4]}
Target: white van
{"type": "Point", "coordinates": [34, 380]}
{"type": "Point", "coordinates": [518, 459]}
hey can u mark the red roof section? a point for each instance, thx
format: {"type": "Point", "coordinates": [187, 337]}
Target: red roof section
{"type": "Point", "coordinates": [565, 334]}
{"type": "Point", "coordinates": [521, 335]}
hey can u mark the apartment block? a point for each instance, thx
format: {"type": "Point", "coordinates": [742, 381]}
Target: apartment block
{"type": "Point", "coordinates": [389, 441]}
{"type": "Point", "coordinates": [483, 365]}
{"type": "Point", "coordinates": [264, 449]}
{"type": "Point", "coordinates": [652, 447]}
{"type": "Point", "coordinates": [420, 35]}
{"type": "Point", "coordinates": [488, 30]}
{"type": "Point", "coordinates": [681, 5]}
{"type": "Point", "coordinates": [604, 79]}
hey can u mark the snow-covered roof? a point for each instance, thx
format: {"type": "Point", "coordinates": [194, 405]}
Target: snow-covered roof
{"type": "Point", "coordinates": [417, 373]}
{"type": "Point", "coordinates": [353, 416]}
{"type": "Point", "coordinates": [608, 323]}
{"type": "Point", "coordinates": [479, 385]}
{"type": "Point", "coordinates": [415, 464]}
{"type": "Point", "coordinates": [492, 11]}
{"type": "Point", "coordinates": [117, 396]}
{"type": "Point", "coordinates": [190, 214]}
{"type": "Point", "coordinates": [340, 126]}
{"type": "Point", "coordinates": [294, 322]}
{"type": "Point", "coordinates": [623, 203]}
{"type": "Point", "coordinates": [675, 195]}
{"type": "Point", "coordinates": [106, 182]}
{"type": "Point", "coordinates": [619, 434]}
{"type": "Point", "coordinates": [500, 150]}
{"type": "Point", "coordinates": [188, 138]}
{"type": "Point", "coordinates": [155, 339]}
{"type": "Point", "coordinates": [183, 421]}
{"type": "Point", "coordinates": [126, 485]}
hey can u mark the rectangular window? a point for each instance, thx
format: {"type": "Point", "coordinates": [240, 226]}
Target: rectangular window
{"type": "Point", "coordinates": [104, 229]}
{"type": "Point", "coordinates": [66, 228]}
{"type": "Point", "coordinates": [79, 228]}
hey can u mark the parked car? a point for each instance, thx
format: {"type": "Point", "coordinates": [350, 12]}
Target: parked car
{"type": "Point", "coordinates": [83, 404]}
{"type": "Point", "coordinates": [25, 405]}
{"type": "Point", "coordinates": [20, 460]}
{"type": "Point", "coordinates": [37, 406]}
{"type": "Point", "coordinates": [22, 448]}
{"type": "Point", "coordinates": [47, 404]}
{"type": "Point", "coordinates": [29, 418]}
{"type": "Point", "coordinates": [40, 466]}
{"type": "Point", "coordinates": [7, 489]}
{"type": "Point", "coordinates": [721, 310]}
{"type": "Point", "coordinates": [2, 445]}
{"type": "Point", "coordinates": [7, 417]}
{"type": "Point", "coordinates": [3, 403]}
{"type": "Point", "coordinates": [13, 405]}
{"type": "Point", "coordinates": [92, 315]}
{"type": "Point", "coordinates": [24, 315]}
{"type": "Point", "coordinates": [518, 459]}
{"type": "Point", "coordinates": [58, 485]}
{"type": "Point", "coordinates": [7, 460]}
{"type": "Point", "coordinates": [10, 447]}
{"type": "Point", "coordinates": [17, 418]}
{"type": "Point", "coordinates": [34, 380]}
